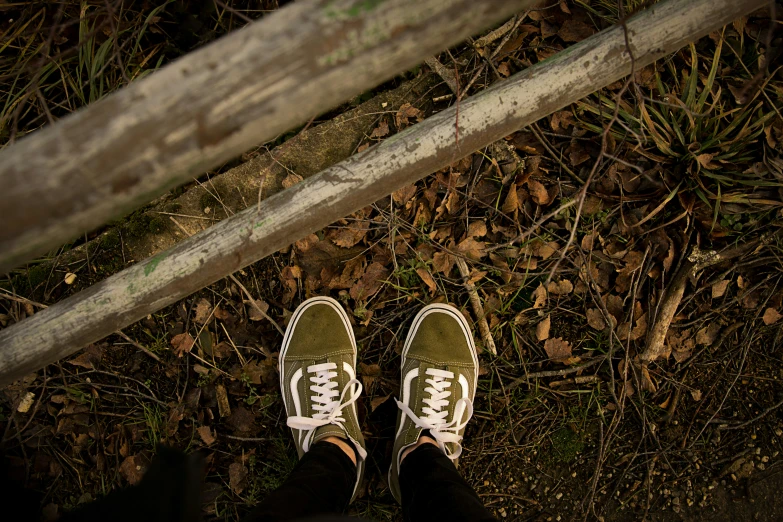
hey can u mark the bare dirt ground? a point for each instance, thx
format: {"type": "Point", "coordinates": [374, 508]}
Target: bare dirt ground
{"type": "Point", "coordinates": [575, 417]}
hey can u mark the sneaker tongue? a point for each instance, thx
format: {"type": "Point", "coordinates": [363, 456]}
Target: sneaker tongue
{"type": "Point", "coordinates": [330, 430]}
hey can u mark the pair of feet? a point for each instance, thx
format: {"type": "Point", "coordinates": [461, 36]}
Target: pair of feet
{"type": "Point", "coordinates": [320, 389]}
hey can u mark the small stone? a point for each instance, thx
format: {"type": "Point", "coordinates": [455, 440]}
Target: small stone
{"type": "Point", "coordinates": [559, 496]}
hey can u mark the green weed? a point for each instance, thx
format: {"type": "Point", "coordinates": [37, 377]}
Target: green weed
{"type": "Point", "coordinates": [690, 124]}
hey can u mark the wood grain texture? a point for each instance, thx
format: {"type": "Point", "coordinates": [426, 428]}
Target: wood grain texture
{"type": "Point", "coordinates": [356, 182]}
{"type": "Point", "coordinates": [213, 104]}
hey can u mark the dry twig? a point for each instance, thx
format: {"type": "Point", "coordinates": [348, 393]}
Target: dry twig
{"type": "Point", "coordinates": [478, 310]}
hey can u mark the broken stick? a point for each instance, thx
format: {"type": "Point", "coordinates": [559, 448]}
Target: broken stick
{"type": "Point", "coordinates": [478, 310]}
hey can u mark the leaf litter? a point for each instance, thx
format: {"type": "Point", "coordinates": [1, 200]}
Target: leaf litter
{"type": "Point", "coordinates": [681, 183]}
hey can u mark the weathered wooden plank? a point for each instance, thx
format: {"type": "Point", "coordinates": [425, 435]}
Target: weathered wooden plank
{"type": "Point", "coordinates": [278, 221]}
{"type": "Point", "coordinates": [212, 105]}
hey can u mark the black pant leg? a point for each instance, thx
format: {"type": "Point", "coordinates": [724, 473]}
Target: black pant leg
{"type": "Point", "coordinates": [433, 489]}
{"type": "Point", "coordinates": [321, 484]}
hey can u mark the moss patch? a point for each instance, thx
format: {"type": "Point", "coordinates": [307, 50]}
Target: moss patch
{"type": "Point", "coordinates": [566, 445]}
{"type": "Point", "coordinates": [110, 240]}
{"type": "Point", "coordinates": [208, 200]}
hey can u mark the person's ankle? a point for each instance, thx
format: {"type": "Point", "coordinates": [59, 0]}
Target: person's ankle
{"type": "Point", "coordinates": [344, 445]}
{"type": "Point", "coordinates": [423, 439]}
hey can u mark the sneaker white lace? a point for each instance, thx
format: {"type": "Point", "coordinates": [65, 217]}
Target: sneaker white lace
{"type": "Point", "coordinates": [328, 402]}
{"type": "Point", "coordinates": [434, 417]}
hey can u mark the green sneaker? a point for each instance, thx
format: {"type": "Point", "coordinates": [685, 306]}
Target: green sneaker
{"type": "Point", "coordinates": [437, 386]}
{"type": "Point", "coordinates": [318, 378]}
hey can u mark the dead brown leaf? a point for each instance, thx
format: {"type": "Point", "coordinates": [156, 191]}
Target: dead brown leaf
{"type": "Point", "coordinates": [548, 249]}
{"type": "Point", "coordinates": [543, 327]}
{"type": "Point", "coordinates": [574, 31]}
{"type": "Point", "coordinates": [530, 263]}
{"type": "Point", "coordinates": [589, 241]}
{"type": "Point", "coordinates": [707, 335]}
{"type": "Point", "coordinates": [539, 296]}
{"type": "Point", "coordinates": [405, 114]}
{"type": "Point", "coordinates": [561, 120]}
{"type": "Point", "coordinates": [511, 203]}
{"type": "Point", "coordinates": [182, 344]}
{"type": "Point", "coordinates": [306, 243]}
{"type": "Point", "coordinates": [348, 236]}
{"type": "Point", "coordinates": [614, 304]}
{"type": "Point", "coordinates": [771, 316]}
{"type": "Point", "coordinates": [203, 311]}
{"type": "Point", "coordinates": [577, 154]}
{"type": "Point", "coordinates": [559, 350]}
{"type": "Point", "coordinates": [206, 435]}
{"type": "Point", "coordinates": [237, 477]}
{"type": "Point", "coordinates": [475, 276]}
{"type": "Point", "coordinates": [242, 421]}
{"type": "Point", "coordinates": [443, 262]}
{"type": "Point", "coordinates": [750, 299]}
{"type": "Point", "coordinates": [538, 192]}
{"type": "Point", "coordinates": [221, 313]}
{"type": "Point", "coordinates": [133, 468]}
{"type": "Point", "coordinates": [253, 312]}
{"type": "Point", "coordinates": [626, 333]}
{"type": "Point", "coordinates": [224, 408]}
{"type": "Point", "coordinates": [595, 319]}
{"type": "Point", "coordinates": [719, 288]}
{"type": "Point", "coordinates": [89, 358]}
{"type": "Point", "coordinates": [381, 130]}
{"type": "Point", "coordinates": [705, 160]}
{"type": "Point", "coordinates": [472, 249]}
{"type": "Point", "coordinates": [222, 350]}
{"type": "Point", "coordinates": [563, 287]}
{"type": "Point", "coordinates": [352, 271]}
{"type": "Point", "coordinates": [404, 195]}
{"type": "Point", "coordinates": [371, 281]}
{"type": "Point", "coordinates": [681, 344]}
{"type": "Point", "coordinates": [292, 179]}
{"type": "Point", "coordinates": [26, 402]}
{"type": "Point", "coordinates": [647, 382]}
{"type": "Point", "coordinates": [477, 229]}
{"type": "Point", "coordinates": [425, 276]}
{"type": "Point", "coordinates": [259, 373]}
{"type": "Point", "coordinates": [370, 373]}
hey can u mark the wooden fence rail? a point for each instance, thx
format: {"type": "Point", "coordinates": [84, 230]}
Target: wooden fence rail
{"type": "Point", "coordinates": [362, 179]}
{"type": "Point", "coordinates": [213, 104]}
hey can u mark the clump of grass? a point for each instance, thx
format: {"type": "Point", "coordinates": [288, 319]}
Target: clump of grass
{"type": "Point", "coordinates": [60, 56]}
{"type": "Point", "coordinates": [691, 124]}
